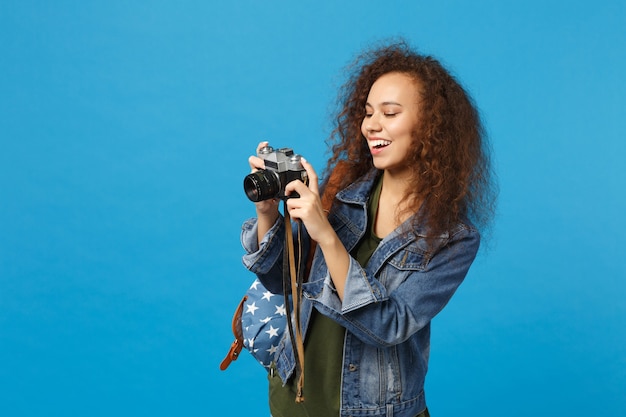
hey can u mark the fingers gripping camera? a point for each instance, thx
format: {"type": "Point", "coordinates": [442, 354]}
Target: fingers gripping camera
{"type": "Point", "coordinates": [281, 167]}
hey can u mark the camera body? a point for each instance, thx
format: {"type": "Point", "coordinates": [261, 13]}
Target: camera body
{"type": "Point", "coordinates": [281, 167]}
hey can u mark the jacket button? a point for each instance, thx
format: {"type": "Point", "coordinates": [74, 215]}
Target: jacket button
{"type": "Point", "coordinates": [352, 367]}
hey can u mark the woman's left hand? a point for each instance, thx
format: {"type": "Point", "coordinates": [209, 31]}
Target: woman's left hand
{"type": "Point", "coordinates": [308, 207]}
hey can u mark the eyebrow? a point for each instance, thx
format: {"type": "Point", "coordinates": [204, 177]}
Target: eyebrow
{"type": "Point", "coordinates": [386, 103]}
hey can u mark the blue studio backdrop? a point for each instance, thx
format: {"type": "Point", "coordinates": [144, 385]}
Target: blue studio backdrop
{"type": "Point", "coordinates": [125, 128]}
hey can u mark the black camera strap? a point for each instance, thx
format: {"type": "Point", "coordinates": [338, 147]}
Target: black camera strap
{"type": "Point", "coordinates": [292, 285]}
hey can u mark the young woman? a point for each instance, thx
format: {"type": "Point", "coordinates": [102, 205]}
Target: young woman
{"type": "Point", "coordinates": [393, 230]}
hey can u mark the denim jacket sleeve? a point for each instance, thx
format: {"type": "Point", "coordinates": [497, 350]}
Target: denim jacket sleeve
{"type": "Point", "coordinates": [264, 259]}
{"type": "Point", "coordinates": [401, 289]}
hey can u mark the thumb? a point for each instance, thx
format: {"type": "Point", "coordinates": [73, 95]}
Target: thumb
{"type": "Point", "coordinates": [310, 172]}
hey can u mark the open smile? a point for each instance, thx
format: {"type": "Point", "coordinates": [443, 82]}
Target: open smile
{"type": "Point", "coordinates": [379, 143]}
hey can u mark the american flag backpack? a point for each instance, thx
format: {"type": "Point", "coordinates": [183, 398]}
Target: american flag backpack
{"type": "Point", "coordinates": [258, 325]}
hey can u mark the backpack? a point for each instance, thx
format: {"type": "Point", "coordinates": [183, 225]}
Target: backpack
{"type": "Point", "coordinates": [258, 325]}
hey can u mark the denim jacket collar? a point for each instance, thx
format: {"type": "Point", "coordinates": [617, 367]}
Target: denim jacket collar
{"type": "Point", "coordinates": [358, 193]}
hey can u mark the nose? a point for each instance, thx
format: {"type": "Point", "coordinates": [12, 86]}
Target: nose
{"type": "Point", "coordinates": [372, 123]}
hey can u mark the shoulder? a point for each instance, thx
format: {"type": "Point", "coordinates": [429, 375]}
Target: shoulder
{"type": "Point", "coordinates": [359, 190]}
{"type": "Point", "coordinates": [463, 235]}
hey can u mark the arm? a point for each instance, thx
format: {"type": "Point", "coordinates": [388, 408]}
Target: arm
{"type": "Point", "coordinates": [308, 209]}
{"type": "Point", "coordinates": [262, 237]}
{"type": "Point", "coordinates": [418, 286]}
{"type": "Point", "coordinates": [264, 259]}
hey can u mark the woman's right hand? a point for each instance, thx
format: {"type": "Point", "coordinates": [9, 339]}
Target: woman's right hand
{"type": "Point", "coordinates": [268, 209]}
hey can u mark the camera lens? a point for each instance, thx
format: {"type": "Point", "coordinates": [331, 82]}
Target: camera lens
{"type": "Point", "coordinates": [261, 185]}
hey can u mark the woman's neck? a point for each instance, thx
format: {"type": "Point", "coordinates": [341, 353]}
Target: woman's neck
{"type": "Point", "coordinates": [396, 185]}
{"type": "Point", "coordinates": [392, 205]}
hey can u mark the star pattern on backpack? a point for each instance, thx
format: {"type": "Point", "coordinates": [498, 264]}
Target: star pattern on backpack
{"type": "Point", "coordinates": [263, 322]}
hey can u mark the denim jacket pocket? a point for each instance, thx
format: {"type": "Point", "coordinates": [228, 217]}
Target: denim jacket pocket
{"type": "Point", "coordinates": [410, 258]}
{"type": "Point", "coordinates": [402, 264]}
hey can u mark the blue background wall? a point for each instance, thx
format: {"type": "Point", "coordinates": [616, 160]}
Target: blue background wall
{"type": "Point", "coordinates": [125, 129]}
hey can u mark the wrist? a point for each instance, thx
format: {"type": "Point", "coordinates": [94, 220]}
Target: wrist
{"type": "Point", "coordinates": [267, 215]}
{"type": "Point", "coordinates": [266, 208]}
{"type": "Point", "coordinates": [329, 241]}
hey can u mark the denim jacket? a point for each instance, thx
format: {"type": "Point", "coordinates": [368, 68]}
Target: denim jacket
{"type": "Point", "coordinates": [387, 305]}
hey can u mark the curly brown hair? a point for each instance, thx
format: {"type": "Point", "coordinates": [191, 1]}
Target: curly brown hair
{"type": "Point", "coordinates": [451, 159]}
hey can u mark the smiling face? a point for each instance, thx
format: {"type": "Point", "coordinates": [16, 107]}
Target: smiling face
{"type": "Point", "coordinates": [391, 121]}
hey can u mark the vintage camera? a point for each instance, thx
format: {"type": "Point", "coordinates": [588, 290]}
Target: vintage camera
{"type": "Point", "coordinates": [281, 167]}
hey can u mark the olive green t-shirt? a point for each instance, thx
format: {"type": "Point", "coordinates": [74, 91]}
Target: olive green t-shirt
{"type": "Point", "coordinates": [323, 350]}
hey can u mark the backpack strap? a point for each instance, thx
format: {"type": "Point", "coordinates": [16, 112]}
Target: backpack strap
{"type": "Point", "coordinates": [237, 345]}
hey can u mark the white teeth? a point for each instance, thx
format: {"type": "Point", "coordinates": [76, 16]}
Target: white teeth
{"type": "Point", "coordinates": [379, 143]}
